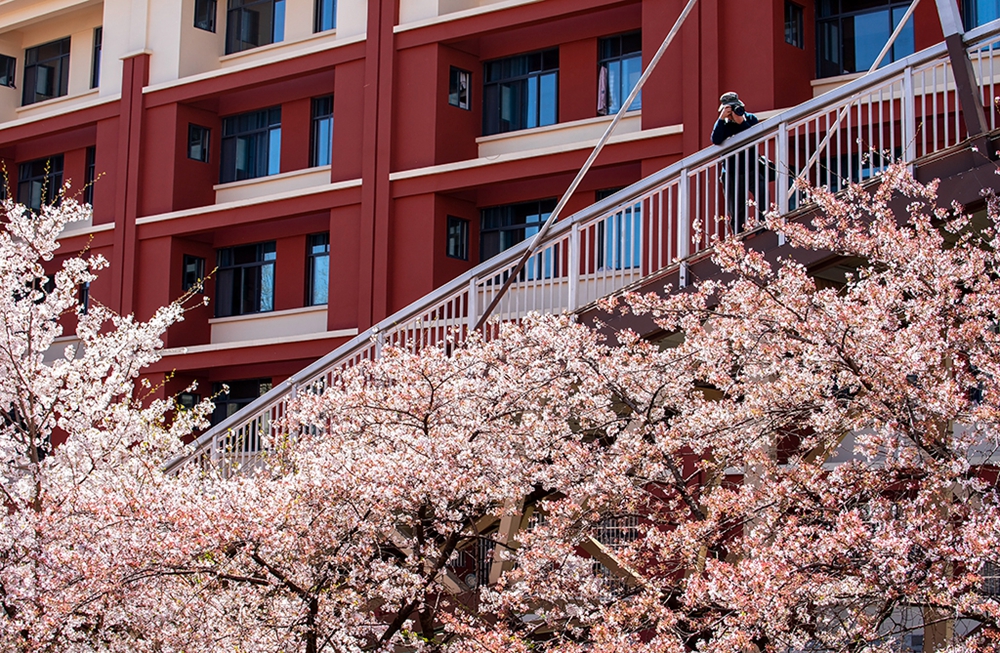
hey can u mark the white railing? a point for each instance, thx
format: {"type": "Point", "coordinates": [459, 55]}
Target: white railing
{"type": "Point", "coordinates": [906, 110]}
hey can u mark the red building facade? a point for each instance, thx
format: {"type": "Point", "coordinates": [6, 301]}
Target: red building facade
{"type": "Point", "coordinates": [327, 163]}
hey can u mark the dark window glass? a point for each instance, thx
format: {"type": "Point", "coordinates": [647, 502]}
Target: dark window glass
{"type": "Point", "coordinates": [458, 238]}
{"type": "Point", "coordinates": [502, 227]}
{"type": "Point", "coordinates": [46, 72]}
{"type": "Point", "coordinates": [318, 262]}
{"type": "Point", "coordinates": [38, 182]}
{"type": "Point", "coordinates": [245, 280]}
{"type": "Point", "coordinates": [90, 175]}
{"type": "Point", "coordinates": [520, 92]}
{"type": "Point", "coordinates": [851, 33]}
{"type": "Point", "coordinates": [193, 273]}
{"type": "Point", "coordinates": [459, 82]}
{"type": "Point", "coordinates": [619, 69]}
{"type": "Point", "coordinates": [95, 65]}
{"type": "Point", "coordinates": [794, 27]}
{"type": "Point", "coordinates": [321, 152]}
{"type": "Point", "coordinates": [251, 145]}
{"type": "Point", "coordinates": [8, 68]}
{"type": "Point", "coordinates": [240, 394]}
{"type": "Point", "coordinates": [204, 14]}
{"type": "Point", "coordinates": [979, 12]}
{"type": "Point", "coordinates": [198, 139]}
{"type": "Point", "coordinates": [84, 298]}
{"type": "Point", "coordinates": [325, 15]}
{"type": "Point", "coordinates": [253, 23]}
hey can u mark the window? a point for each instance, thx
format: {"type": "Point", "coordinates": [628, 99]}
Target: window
{"type": "Point", "coordinates": [198, 139]}
{"type": "Point", "coordinates": [95, 65]}
{"type": "Point", "coordinates": [615, 533]}
{"type": "Point", "coordinates": [459, 82]}
{"type": "Point", "coordinates": [979, 12]}
{"type": "Point", "coordinates": [458, 238]}
{"type": "Point", "coordinates": [502, 227]}
{"type": "Point", "coordinates": [253, 23]}
{"type": "Point", "coordinates": [251, 145]}
{"type": "Point", "coordinates": [84, 298]}
{"type": "Point", "coordinates": [321, 151]}
{"type": "Point", "coordinates": [325, 15]}
{"type": "Point", "coordinates": [520, 92]}
{"type": "Point", "coordinates": [851, 33]}
{"type": "Point", "coordinates": [204, 14]}
{"type": "Point", "coordinates": [318, 262]}
{"type": "Point", "coordinates": [794, 26]}
{"type": "Point", "coordinates": [245, 280]}
{"type": "Point", "coordinates": [240, 394]}
{"type": "Point", "coordinates": [8, 66]}
{"type": "Point", "coordinates": [90, 175]}
{"type": "Point", "coordinates": [619, 69]}
{"type": "Point", "coordinates": [193, 272]}
{"type": "Point", "coordinates": [619, 237]}
{"type": "Point", "coordinates": [46, 72]}
{"type": "Point", "coordinates": [38, 182]}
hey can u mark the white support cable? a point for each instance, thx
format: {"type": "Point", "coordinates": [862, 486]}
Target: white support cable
{"type": "Point", "coordinates": [589, 162]}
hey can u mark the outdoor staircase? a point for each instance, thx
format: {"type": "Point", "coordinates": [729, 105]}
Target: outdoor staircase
{"type": "Point", "coordinates": [904, 111]}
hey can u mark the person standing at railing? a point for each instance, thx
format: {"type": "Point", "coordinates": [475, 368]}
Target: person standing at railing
{"type": "Point", "coordinates": [741, 167]}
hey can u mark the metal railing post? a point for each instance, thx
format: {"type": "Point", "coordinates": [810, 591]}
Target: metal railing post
{"type": "Point", "coordinates": [909, 118]}
{"type": "Point", "coordinates": [473, 312]}
{"type": "Point", "coordinates": [683, 216]}
{"type": "Point", "coordinates": [574, 268]}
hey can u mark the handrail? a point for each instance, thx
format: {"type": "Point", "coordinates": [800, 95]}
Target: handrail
{"type": "Point", "coordinates": [674, 178]}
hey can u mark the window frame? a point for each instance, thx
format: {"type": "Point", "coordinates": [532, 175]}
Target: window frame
{"type": "Point", "coordinates": [8, 65]}
{"type": "Point", "coordinates": [90, 174]}
{"type": "Point", "coordinates": [223, 401]}
{"type": "Point", "coordinates": [265, 159]}
{"type": "Point", "coordinates": [192, 271]}
{"type": "Point", "coordinates": [247, 15]}
{"type": "Point", "coordinates": [315, 260]}
{"type": "Point", "coordinates": [607, 62]}
{"type": "Point", "coordinates": [95, 63]}
{"type": "Point", "coordinates": [500, 74]}
{"type": "Point", "coordinates": [795, 24]}
{"type": "Point", "coordinates": [58, 64]}
{"type": "Point", "coordinates": [203, 136]}
{"type": "Point", "coordinates": [47, 173]}
{"type": "Point", "coordinates": [324, 15]}
{"type": "Point", "coordinates": [835, 21]}
{"type": "Point", "coordinates": [457, 238]}
{"type": "Point", "coordinates": [455, 88]}
{"type": "Point", "coordinates": [240, 301]}
{"type": "Point", "coordinates": [320, 145]}
{"type": "Point", "coordinates": [206, 14]}
{"type": "Point", "coordinates": [971, 10]}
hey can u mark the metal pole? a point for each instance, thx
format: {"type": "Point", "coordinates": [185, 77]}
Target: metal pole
{"type": "Point", "coordinates": [586, 166]}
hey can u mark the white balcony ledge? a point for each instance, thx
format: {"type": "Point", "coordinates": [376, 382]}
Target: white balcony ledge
{"type": "Point", "coordinates": [55, 106]}
{"type": "Point", "coordinates": [414, 14]}
{"type": "Point", "coordinates": [273, 324]}
{"type": "Point", "coordinates": [557, 135]}
{"type": "Point", "coordinates": [284, 182]}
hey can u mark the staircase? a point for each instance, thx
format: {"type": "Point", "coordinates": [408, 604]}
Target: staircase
{"type": "Point", "coordinates": [907, 110]}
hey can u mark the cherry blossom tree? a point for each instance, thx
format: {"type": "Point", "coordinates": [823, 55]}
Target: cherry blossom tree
{"type": "Point", "coordinates": [77, 444]}
{"type": "Point", "coordinates": [805, 459]}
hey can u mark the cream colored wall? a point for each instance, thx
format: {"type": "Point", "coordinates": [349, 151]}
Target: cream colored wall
{"type": "Point", "coordinates": [10, 98]}
{"type": "Point", "coordinates": [352, 17]}
{"type": "Point", "coordinates": [298, 19]}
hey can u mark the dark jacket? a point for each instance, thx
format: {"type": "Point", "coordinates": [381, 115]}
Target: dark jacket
{"type": "Point", "coordinates": [725, 128]}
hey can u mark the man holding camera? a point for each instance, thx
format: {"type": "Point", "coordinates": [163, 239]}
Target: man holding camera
{"type": "Point", "coordinates": [740, 167]}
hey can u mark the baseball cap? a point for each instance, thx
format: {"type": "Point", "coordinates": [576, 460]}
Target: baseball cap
{"type": "Point", "coordinates": [731, 98]}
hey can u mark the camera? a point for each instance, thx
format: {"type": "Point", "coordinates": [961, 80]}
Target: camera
{"type": "Point", "coordinates": [739, 110]}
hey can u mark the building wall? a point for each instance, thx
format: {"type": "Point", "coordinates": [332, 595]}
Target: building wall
{"type": "Point", "coordinates": [403, 158]}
